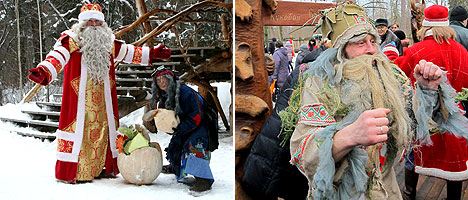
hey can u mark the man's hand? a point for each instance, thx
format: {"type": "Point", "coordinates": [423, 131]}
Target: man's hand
{"type": "Point", "coordinates": [37, 75]}
{"type": "Point", "coordinates": [160, 52]}
{"type": "Point", "coordinates": [428, 74]}
{"type": "Point", "coordinates": [370, 128]}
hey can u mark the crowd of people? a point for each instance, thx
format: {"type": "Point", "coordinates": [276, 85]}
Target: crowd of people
{"type": "Point", "coordinates": [367, 98]}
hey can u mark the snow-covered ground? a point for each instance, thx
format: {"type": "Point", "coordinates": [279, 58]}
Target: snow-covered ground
{"type": "Point", "coordinates": [27, 169]}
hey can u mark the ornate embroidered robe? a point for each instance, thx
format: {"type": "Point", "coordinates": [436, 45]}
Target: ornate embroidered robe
{"type": "Point", "coordinates": [89, 114]}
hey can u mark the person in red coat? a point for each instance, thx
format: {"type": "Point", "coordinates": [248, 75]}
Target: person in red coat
{"type": "Point", "coordinates": [447, 157]}
{"type": "Point", "coordinates": [89, 114]}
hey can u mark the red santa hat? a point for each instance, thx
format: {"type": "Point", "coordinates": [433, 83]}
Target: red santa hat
{"type": "Point", "coordinates": [91, 11]}
{"type": "Point", "coordinates": [436, 15]}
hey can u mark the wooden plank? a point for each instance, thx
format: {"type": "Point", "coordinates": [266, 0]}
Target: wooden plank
{"type": "Point", "coordinates": [34, 122]}
{"type": "Point", "coordinates": [193, 49]}
{"type": "Point", "coordinates": [291, 13]}
{"type": "Point", "coordinates": [181, 56]}
{"type": "Point", "coordinates": [133, 88]}
{"type": "Point", "coordinates": [135, 72]}
{"type": "Point", "coordinates": [133, 79]}
{"type": "Point", "coordinates": [51, 113]}
{"type": "Point", "coordinates": [35, 134]}
{"type": "Point", "coordinates": [443, 193]}
{"type": "Point", "coordinates": [154, 64]}
{"type": "Point", "coordinates": [436, 188]}
{"type": "Point", "coordinates": [424, 186]}
{"type": "Point", "coordinates": [40, 103]}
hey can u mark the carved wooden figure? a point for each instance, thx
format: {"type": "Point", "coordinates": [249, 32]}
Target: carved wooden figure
{"type": "Point", "coordinates": [417, 16]}
{"type": "Point", "coordinates": [253, 98]}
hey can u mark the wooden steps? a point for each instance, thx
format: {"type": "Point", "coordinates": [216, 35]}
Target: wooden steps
{"type": "Point", "coordinates": [31, 122]}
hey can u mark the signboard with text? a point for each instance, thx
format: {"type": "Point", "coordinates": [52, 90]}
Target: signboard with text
{"type": "Point", "coordinates": [291, 13]}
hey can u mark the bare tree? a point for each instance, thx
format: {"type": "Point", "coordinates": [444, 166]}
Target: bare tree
{"type": "Point", "coordinates": [19, 49]}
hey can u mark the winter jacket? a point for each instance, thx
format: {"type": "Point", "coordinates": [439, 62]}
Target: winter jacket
{"type": "Point", "coordinates": [290, 49]}
{"type": "Point", "coordinates": [191, 129]}
{"type": "Point", "coordinates": [314, 54]}
{"type": "Point", "coordinates": [267, 172]}
{"type": "Point", "coordinates": [281, 67]}
{"type": "Point", "coordinates": [389, 37]}
{"type": "Point", "coordinates": [462, 33]}
{"type": "Point", "coordinates": [302, 54]}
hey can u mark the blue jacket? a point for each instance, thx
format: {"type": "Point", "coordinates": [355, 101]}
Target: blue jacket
{"type": "Point", "coordinates": [191, 129]}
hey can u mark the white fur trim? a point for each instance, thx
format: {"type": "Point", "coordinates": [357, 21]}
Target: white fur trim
{"type": "Point", "coordinates": [110, 118]}
{"type": "Point", "coordinates": [81, 107]}
{"type": "Point", "coordinates": [452, 176]}
{"type": "Point", "coordinates": [145, 56]}
{"type": "Point", "coordinates": [130, 52]}
{"type": "Point", "coordinates": [64, 52]}
{"type": "Point", "coordinates": [122, 52]}
{"type": "Point", "coordinates": [90, 14]}
{"type": "Point", "coordinates": [50, 67]}
{"type": "Point", "coordinates": [390, 48]}
{"type": "Point", "coordinates": [435, 23]}
{"type": "Point", "coordinates": [57, 56]}
{"type": "Point", "coordinates": [69, 157]}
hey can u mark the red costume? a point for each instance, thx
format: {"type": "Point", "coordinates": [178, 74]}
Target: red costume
{"type": "Point", "coordinates": [447, 157]}
{"type": "Point", "coordinates": [89, 116]}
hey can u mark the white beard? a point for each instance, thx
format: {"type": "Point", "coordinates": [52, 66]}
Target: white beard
{"type": "Point", "coordinates": [96, 45]}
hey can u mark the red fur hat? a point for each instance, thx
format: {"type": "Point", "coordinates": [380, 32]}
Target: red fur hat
{"type": "Point", "coordinates": [436, 15]}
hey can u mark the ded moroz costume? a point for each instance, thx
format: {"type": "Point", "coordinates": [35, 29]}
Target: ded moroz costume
{"type": "Point", "coordinates": [89, 114]}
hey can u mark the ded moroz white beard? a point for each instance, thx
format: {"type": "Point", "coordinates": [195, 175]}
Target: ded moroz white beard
{"type": "Point", "coordinates": [96, 45]}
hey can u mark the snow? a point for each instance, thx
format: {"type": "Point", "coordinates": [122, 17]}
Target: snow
{"type": "Point", "coordinates": [28, 164]}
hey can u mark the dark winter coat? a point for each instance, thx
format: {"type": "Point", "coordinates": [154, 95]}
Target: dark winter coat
{"type": "Point", "coordinates": [314, 54]}
{"type": "Point", "coordinates": [389, 37]}
{"type": "Point", "coordinates": [302, 54]}
{"type": "Point", "coordinates": [191, 129]}
{"type": "Point", "coordinates": [267, 171]}
{"type": "Point", "coordinates": [462, 33]}
{"type": "Point", "coordinates": [281, 67]}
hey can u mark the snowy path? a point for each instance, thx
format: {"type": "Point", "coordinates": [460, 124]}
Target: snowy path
{"type": "Point", "coordinates": [28, 164]}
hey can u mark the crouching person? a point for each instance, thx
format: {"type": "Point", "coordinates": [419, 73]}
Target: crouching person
{"type": "Point", "coordinates": [188, 151]}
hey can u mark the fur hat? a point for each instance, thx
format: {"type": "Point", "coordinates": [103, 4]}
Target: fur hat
{"type": "Point", "coordinates": [381, 22]}
{"type": "Point", "coordinates": [90, 11]}
{"type": "Point", "coordinates": [400, 34]}
{"type": "Point", "coordinates": [458, 14]}
{"type": "Point", "coordinates": [436, 15]}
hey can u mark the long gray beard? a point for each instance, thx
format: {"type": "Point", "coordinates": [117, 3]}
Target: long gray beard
{"type": "Point", "coordinates": [96, 45]}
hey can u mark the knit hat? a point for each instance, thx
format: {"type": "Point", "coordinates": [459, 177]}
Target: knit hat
{"type": "Point", "coordinates": [458, 14]}
{"type": "Point", "coordinates": [303, 47]}
{"type": "Point", "coordinates": [341, 23]}
{"type": "Point", "coordinates": [400, 34]}
{"type": "Point", "coordinates": [91, 11]}
{"type": "Point", "coordinates": [381, 21]}
{"type": "Point", "coordinates": [162, 71]}
{"type": "Point", "coordinates": [436, 15]}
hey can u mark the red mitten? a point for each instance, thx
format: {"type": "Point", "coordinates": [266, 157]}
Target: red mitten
{"type": "Point", "coordinates": [38, 75]}
{"type": "Point", "coordinates": [160, 52]}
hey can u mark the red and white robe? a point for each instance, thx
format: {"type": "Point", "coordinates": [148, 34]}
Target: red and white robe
{"type": "Point", "coordinates": [89, 116]}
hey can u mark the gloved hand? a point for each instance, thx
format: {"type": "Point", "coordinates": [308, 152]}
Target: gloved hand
{"type": "Point", "coordinates": [160, 52]}
{"type": "Point", "coordinates": [38, 75]}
